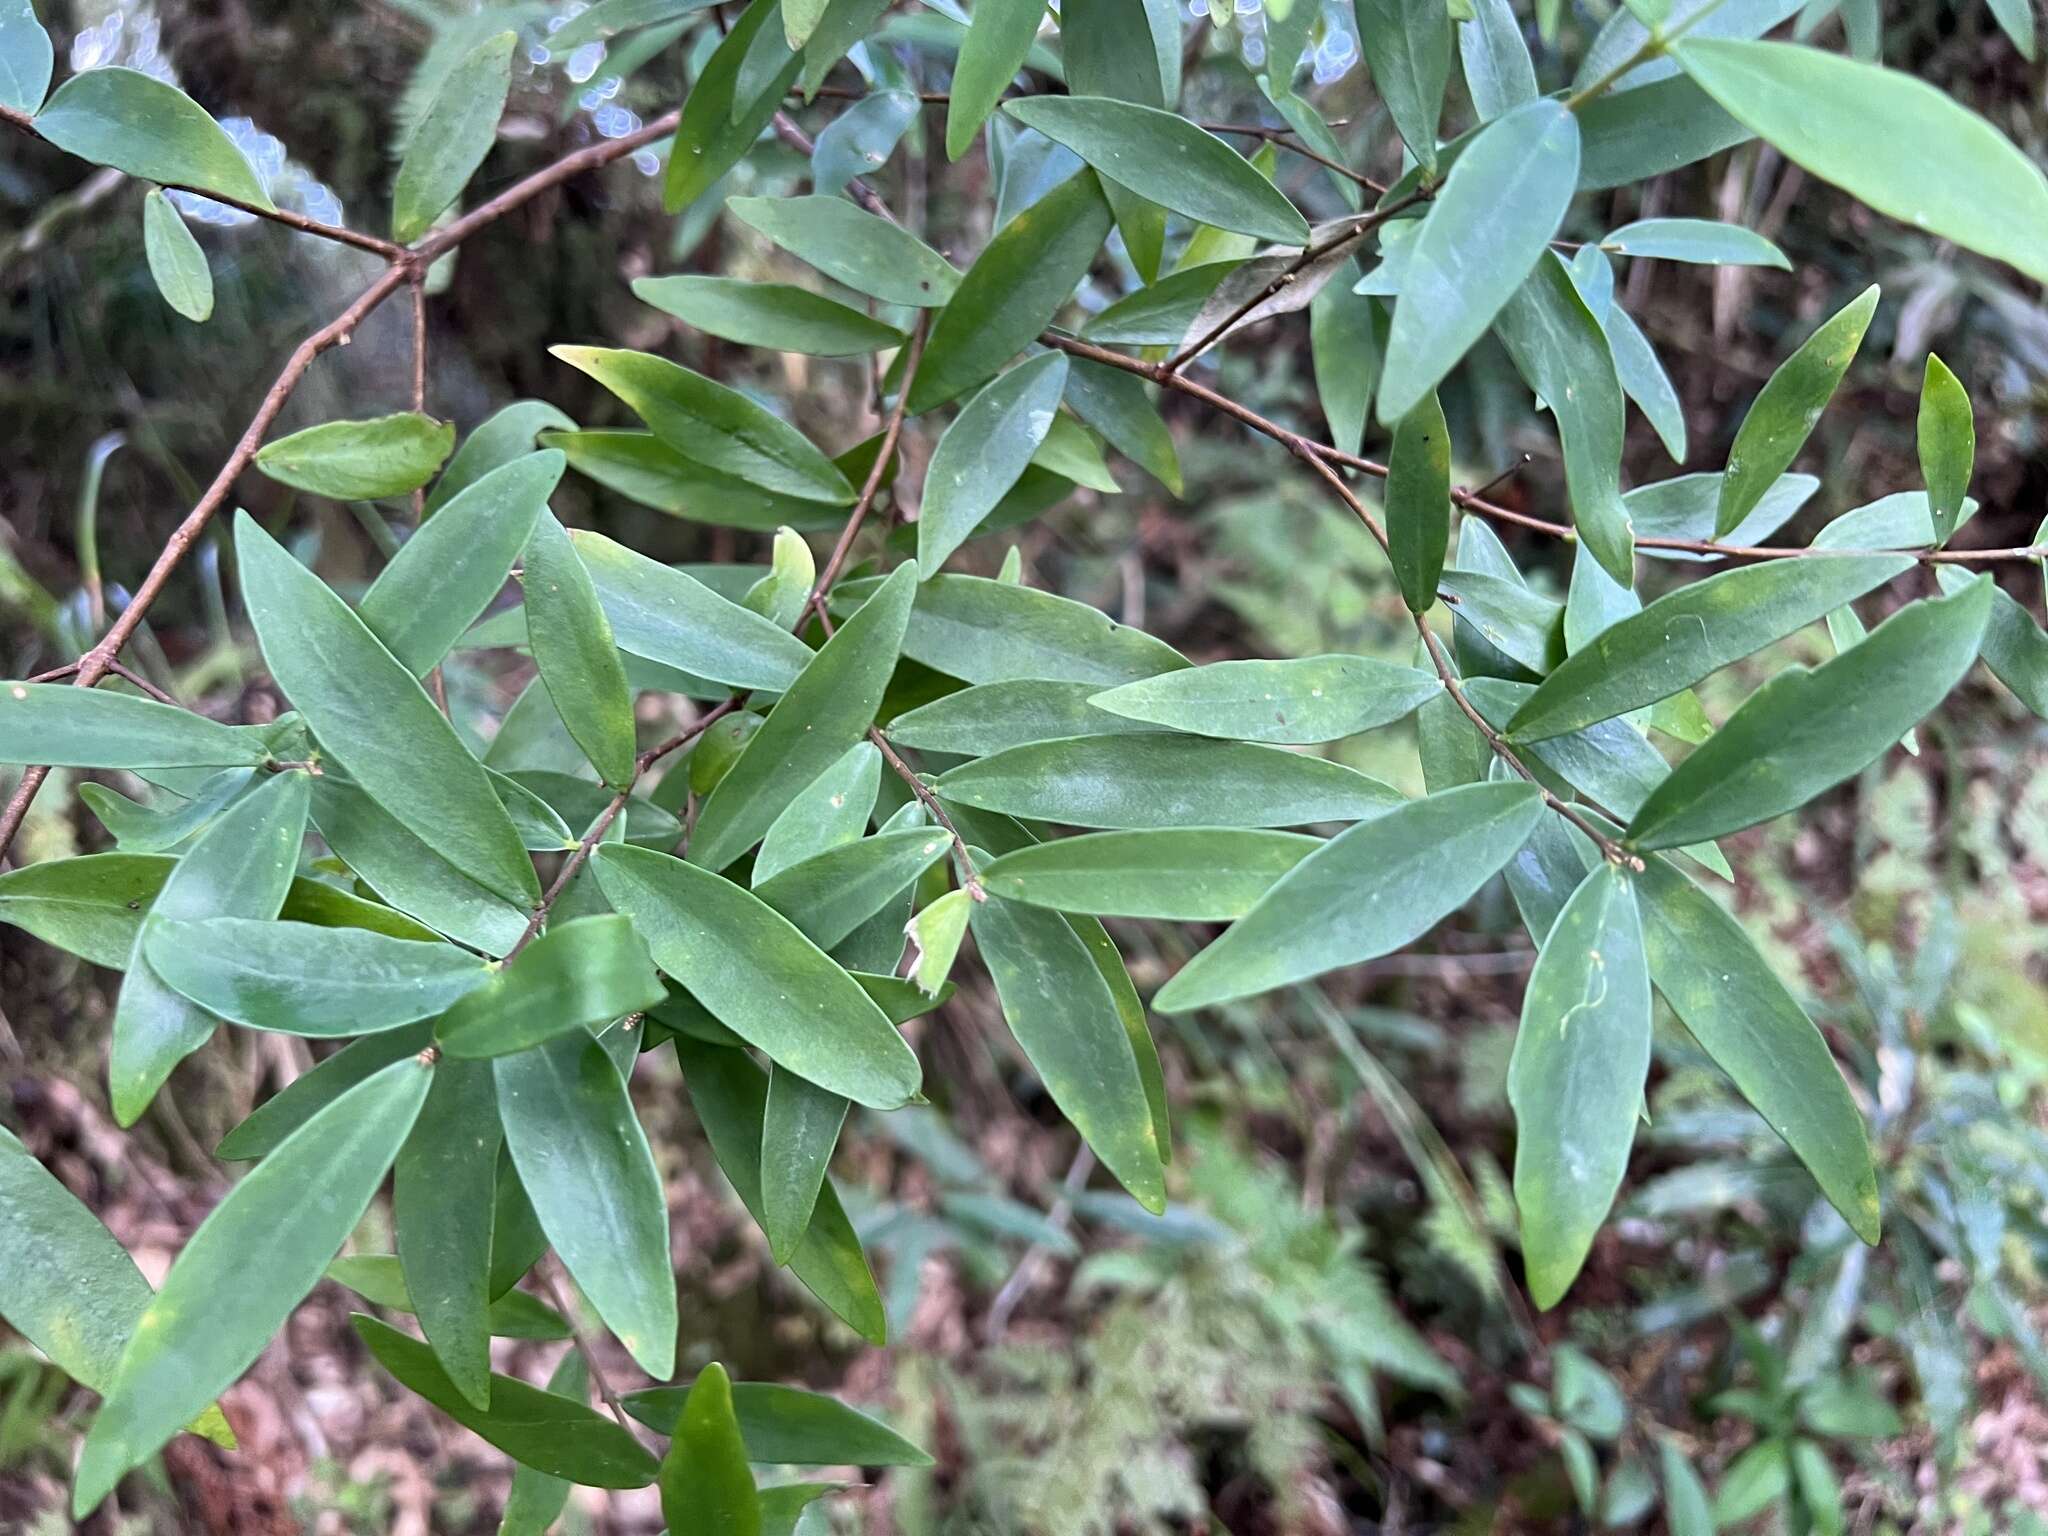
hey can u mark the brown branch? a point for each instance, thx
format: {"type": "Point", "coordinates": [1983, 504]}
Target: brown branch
{"type": "Point", "coordinates": [873, 484]}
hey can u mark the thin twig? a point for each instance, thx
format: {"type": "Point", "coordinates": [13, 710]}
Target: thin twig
{"type": "Point", "coordinates": [970, 877]}
{"type": "Point", "coordinates": [1059, 1218]}
{"type": "Point", "coordinates": [545, 1271]}
{"type": "Point", "coordinates": [873, 484]}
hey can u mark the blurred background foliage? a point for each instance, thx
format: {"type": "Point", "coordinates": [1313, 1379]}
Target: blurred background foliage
{"type": "Point", "coordinates": [1325, 1333]}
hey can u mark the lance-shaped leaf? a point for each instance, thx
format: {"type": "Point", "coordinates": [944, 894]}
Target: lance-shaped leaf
{"type": "Point", "coordinates": [360, 460]}
{"type": "Point", "coordinates": [373, 718]}
{"type": "Point", "coordinates": [1164, 312]}
{"type": "Point", "coordinates": [584, 1163]}
{"type": "Point", "coordinates": [999, 35]}
{"type": "Point", "coordinates": [1709, 971]}
{"type": "Point", "coordinates": [774, 315]}
{"type": "Point", "coordinates": [1363, 894]}
{"type": "Point", "coordinates": [1785, 411]}
{"type": "Point", "coordinates": [832, 893]}
{"type": "Point", "coordinates": [935, 934]}
{"type": "Point", "coordinates": [981, 454]}
{"type": "Point", "coordinates": [825, 711]}
{"type": "Point", "coordinates": [1805, 731]}
{"type": "Point", "coordinates": [1407, 46]}
{"type": "Point", "coordinates": [379, 1278]}
{"type": "Point", "coordinates": [1284, 703]}
{"type": "Point", "coordinates": [175, 260]}
{"type": "Point", "coordinates": [799, 1129]}
{"type": "Point", "coordinates": [536, 1499]}
{"type": "Point", "coordinates": [1697, 240]}
{"type": "Point", "coordinates": [1183, 874]}
{"type": "Point", "coordinates": [1499, 205]}
{"type": "Point", "coordinates": [1418, 502]}
{"type": "Point", "coordinates": [153, 131]}
{"type": "Point", "coordinates": [138, 828]}
{"type": "Point", "coordinates": [300, 979]}
{"type": "Point", "coordinates": [1062, 1012]}
{"type": "Point", "coordinates": [582, 973]}
{"type": "Point", "coordinates": [721, 120]}
{"type": "Point", "coordinates": [833, 809]}
{"type": "Point", "coordinates": [1116, 404]}
{"type": "Point", "coordinates": [1644, 380]}
{"type": "Point", "coordinates": [573, 648]}
{"type": "Point", "coordinates": [706, 1484]}
{"type": "Point", "coordinates": [504, 436]}
{"type": "Point", "coordinates": [759, 976]}
{"type": "Point", "coordinates": [538, 1429]}
{"type": "Point", "coordinates": [1163, 157]}
{"type": "Point", "coordinates": [242, 865]}
{"type": "Point", "coordinates": [1894, 142]}
{"type": "Point", "coordinates": [451, 141]}
{"type": "Point", "coordinates": [713, 425]}
{"type": "Point", "coordinates": [452, 567]}
{"type": "Point", "coordinates": [26, 57]}
{"type": "Point", "coordinates": [2014, 647]}
{"type": "Point", "coordinates": [729, 1094]}
{"type": "Point", "coordinates": [1013, 290]}
{"type": "Point", "coordinates": [1576, 1078]}
{"type": "Point", "coordinates": [1161, 781]}
{"type": "Point", "coordinates": [1948, 445]}
{"type": "Point", "coordinates": [852, 246]}
{"type": "Point", "coordinates": [787, 1426]}
{"type": "Point", "coordinates": [1691, 632]}
{"type": "Point", "coordinates": [443, 1196]}
{"type": "Point", "coordinates": [217, 1310]}
{"type": "Point", "coordinates": [1499, 74]}
{"type": "Point", "coordinates": [989, 717]}
{"type": "Point", "coordinates": [70, 727]}
{"type": "Point", "coordinates": [277, 1117]}
{"type": "Point", "coordinates": [860, 140]}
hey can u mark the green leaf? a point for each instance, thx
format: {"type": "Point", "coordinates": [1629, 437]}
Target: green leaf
{"type": "Point", "coordinates": [1576, 1079]}
{"type": "Point", "coordinates": [759, 976]}
{"type": "Point", "coordinates": [1346, 331]}
{"type": "Point", "coordinates": [832, 810]}
{"type": "Point", "coordinates": [1159, 781]}
{"type": "Point", "coordinates": [1696, 240]}
{"type": "Point", "coordinates": [175, 259]}
{"type": "Point", "coordinates": [852, 246]}
{"type": "Point", "coordinates": [1692, 632]}
{"type": "Point", "coordinates": [443, 1193]}
{"type": "Point", "coordinates": [1686, 1507]}
{"type": "Point", "coordinates": [935, 934]}
{"type": "Point", "coordinates": [373, 718]}
{"type": "Point", "coordinates": [984, 450]}
{"type": "Point", "coordinates": [360, 460]}
{"type": "Point", "coordinates": [1644, 380]}
{"type": "Point", "coordinates": [1285, 703]}
{"type": "Point", "coordinates": [1483, 234]}
{"type": "Point", "coordinates": [507, 434]}
{"type": "Point", "coordinates": [71, 727]}
{"type": "Point", "coordinates": [1183, 874]}
{"type": "Point", "coordinates": [644, 469]}
{"type": "Point", "coordinates": [26, 57]}
{"type": "Point", "coordinates": [1523, 627]}
{"type": "Point", "coordinates": [832, 893]}
{"type": "Point", "coordinates": [1162, 314]}
{"type": "Point", "coordinates": [1365, 893]}
{"type": "Point", "coordinates": [1894, 142]}
{"type": "Point", "coordinates": [300, 979]}
{"type": "Point", "coordinates": [1407, 47]}
{"type": "Point", "coordinates": [799, 1129]}
{"type": "Point", "coordinates": [453, 138]}
{"type": "Point", "coordinates": [1418, 502]}
{"type": "Point", "coordinates": [1805, 731]}
{"type": "Point", "coordinates": [1784, 412]}
{"type": "Point", "coordinates": [584, 1162]}
{"type": "Point", "coordinates": [379, 1278]}
{"type": "Point", "coordinates": [825, 711]}
{"type": "Point", "coordinates": [216, 1310]}
{"type": "Point", "coordinates": [574, 650]}
{"type": "Point", "coordinates": [1684, 508]}
{"type": "Point", "coordinates": [1562, 353]}
{"type": "Point", "coordinates": [774, 315]}
{"type": "Point", "coordinates": [713, 425]}
{"type": "Point", "coordinates": [1166, 159]}
{"type": "Point", "coordinates": [536, 1500]}
{"type": "Point", "coordinates": [988, 717]}
{"type": "Point", "coordinates": [720, 124]}
{"type": "Point", "coordinates": [1116, 404]}
{"type": "Point", "coordinates": [157, 828]}
{"type": "Point", "coordinates": [549, 1433]}
{"type": "Point", "coordinates": [1064, 1016]}
{"type": "Point", "coordinates": [587, 972]}
{"type": "Point", "coordinates": [1014, 288]}
{"type": "Point", "coordinates": [706, 1484]}
{"type": "Point", "coordinates": [153, 131]}
{"type": "Point", "coordinates": [1499, 74]}
{"type": "Point", "coordinates": [242, 866]}
{"type": "Point", "coordinates": [861, 139]}
{"type": "Point", "coordinates": [306, 1095]}
{"type": "Point", "coordinates": [999, 36]}
{"type": "Point", "coordinates": [787, 1426]}
{"type": "Point", "coordinates": [729, 1094]}
{"type": "Point", "coordinates": [1948, 445]}
{"type": "Point", "coordinates": [2014, 647]}
{"type": "Point", "coordinates": [843, 24]}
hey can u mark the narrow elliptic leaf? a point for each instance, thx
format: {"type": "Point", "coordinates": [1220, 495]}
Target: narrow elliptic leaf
{"type": "Point", "coordinates": [1407, 45]}
{"type": "Point", "coordinates": [157, 828]}
{"type": "Point", "coordinates": [1284, 703]}
{"type": "Point", "coordinates": [1347, 331]}
{"type": "Point", "coordinates": [730, 1095]}
{"type": "Point", "coordinates": [217, 1309]}
{"type": "Point", "coordinates": [1684, 508]}
{"type": "Point", "coordinates": [1709, 971]}
{"type": "Point", "coordinates": [935, 934]}
{"type": "Point", "coordinates": [443, 1194]}
{"type": "Point", "coordinates": [153, 131]}
{"type": "Point", "coordinates": [1896, 143]}
{"type": "Point", "coordinates": [1630, 136]}
{"type": "Point", "coordinates": [1687, 1510]}
{"type": "Point", "coordinates": [1182, 874]}
{"type": "Point", "coordinates": [983, 451]}
{"type": "Point", "coordinates": [586, 1166]}
{"type": "Point", "coordinates": [832, 893]}
{"type": "Point", "coordinates": [860, 140]}
{"type": "Point", "coordinates": [1014, 289]}
{"type": "Point", "coordinates": [1117, 405]}
{"type": "Point", "coordinates": [787, 1426]}
{"type": "Point", "coordinates": [759, 976]}
{"type": "Point", "coordinates": [277, 1117]}
{"type": "Point", "coordinates": [582, 973]}
{"type": "Point", "coordinates": [1691, 632]}
{"type": "Point", "coordinates": [799, 1129]}
{"type": "Point", "coordinates": [360, 460]}
{"type": "Point", "coordinates": [380, 1280]}
{"type": "Point", "coordinates": [507, 434]}
{"type": "Point", "coordinates": [373, 718]}
{"type": "Point", "coordinates": [1521, 626]}
{"type": "Point", "coordinates": [91, 906]}
{"type": "Point", "coordinates": [706, 1484]}
{"type": "Point", "coordinates": [1695, 240]}
{"type": "Point", "coordinates": [175, 259]}
{"type": "Point", "coordinates": [453, 138]}
{"type": "Point", "coordinates": [1163, 313]}
{"type": "Point", "coordinates": [713, 425]}
{"type": "Point", "coordinates": [1948, 445]}
{"type": "Point", "coordinates": [1803, 732]}
{"type": "Point", "coordinates": [1365, 893]}
{"type": "Point", "coordinates": [574, 650]}
{"type": "Point", "coordinates": [831, 810]}
{"type": "Point", "coordinates": [300, 979]}
{"type": "Point", "coordinates": [2014, 647]}
{"type": "Point", "coordinates": [452, 567]}
{"type": "Point", "coordinates": [1644, 380]}
{"type": "Point", "coordinates": [989, 717]}
{"type": "Point", "coordinates": [724, 114]}
{"type": "Point", "coordinates": [825, 711]}
{"type": "Point", "coordinates": [69, 727]}
{"type": "Point", "coordinates": [999, 35]}
{"type": "Point", "coordinates": [26, 57]}
{"type": "Point", "coordinates": [852, 246]}
{"type": "Point", "coordinates": [1495, 215]}
{"type": "Point", "coordinates": [1576, 1079]}
{"type": "Point", "coordinates": [1418, 502]}
{"type": "Point", "coordinates": [1166, 159]}
{"type": "Point", "coordinates": [778, 316]}
{"type": "Point", "coordinates": [1161, 781]}
{"type": "Point", "coordinates": [1499, 74]}
{"type": "Point", "coordinates": [1063, 1014]}
{"type": "Point", "coordinates": [537, 1499]}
